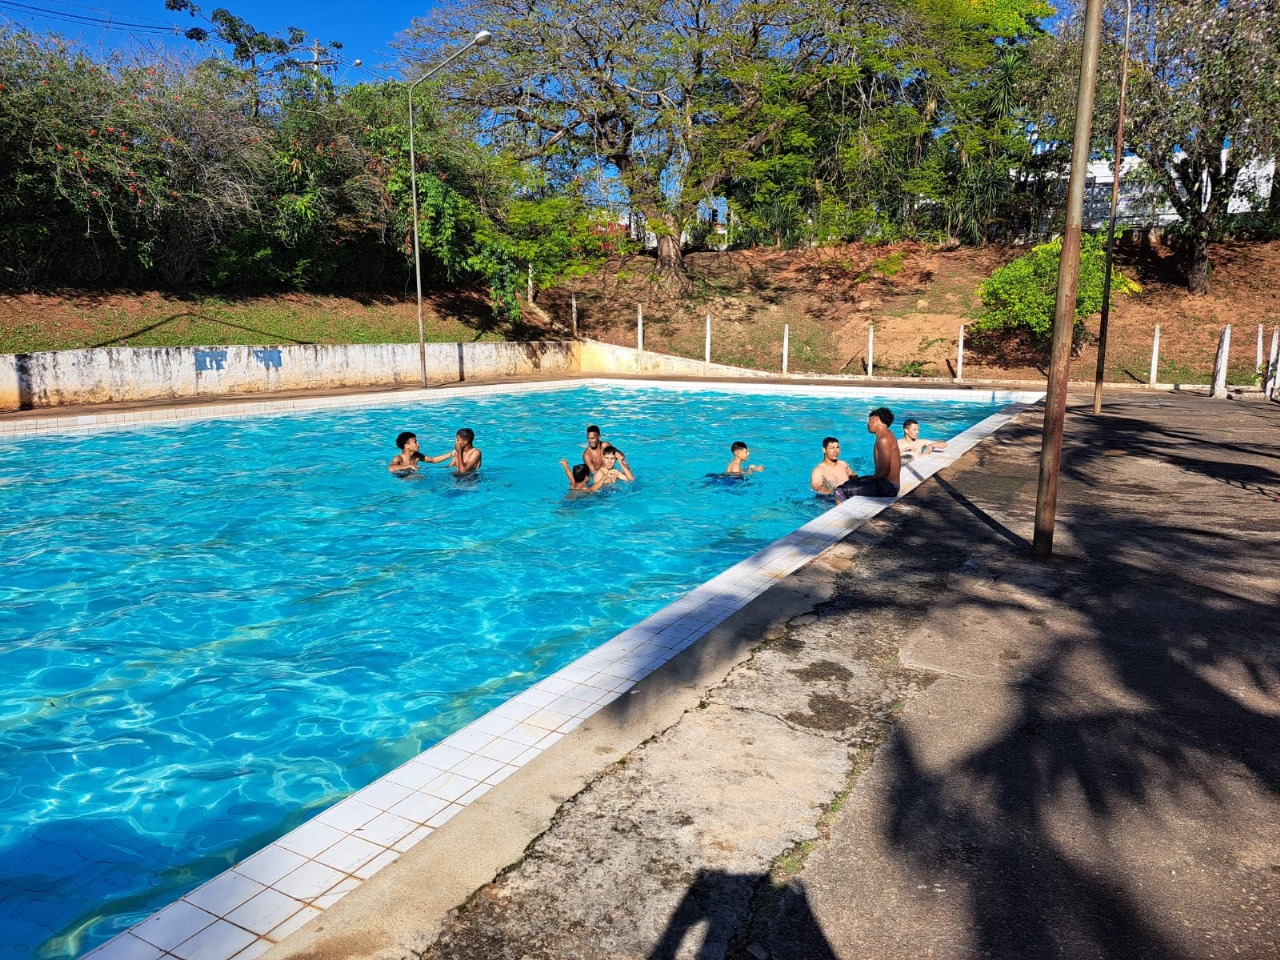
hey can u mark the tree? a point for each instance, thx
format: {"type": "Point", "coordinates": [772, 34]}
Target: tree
{"type": "Point", "coordinates": [919, 137]}
{"type": "Point", "coordinates": [664, 99]}
{"type": "Point", "coordinates": [1204, 105]}
{"type": "Point", "coordinates": [1021, 297]}
{"type": "Point", "coordinates": [258, 56]}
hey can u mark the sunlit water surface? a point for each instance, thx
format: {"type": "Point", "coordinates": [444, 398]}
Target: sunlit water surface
{"type": "Point", "coordinates": [210, 632]}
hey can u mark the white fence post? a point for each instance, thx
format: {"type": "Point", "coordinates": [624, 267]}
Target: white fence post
{"type": "Point", "coordinates": [1273, 364]}
{"type": "Point", "coordinates": [707, 356]}
{"type": "Point", "coordinates": [574, 302]}
{"type": "Point", "coordinates": [786, 346]}
{"type": "Point", "coordinates": [960, 355]}
{"type": "Point", "coordinates": [1155, 357]}
{"type": "Point", "coordinates": [871, 349]}
{"type": "Point", "coordinates": [1219, 388]}
{"type": "Point", "coordinates": [639, 326]}
{"type": "Point", "coordinates": [1258, 366]}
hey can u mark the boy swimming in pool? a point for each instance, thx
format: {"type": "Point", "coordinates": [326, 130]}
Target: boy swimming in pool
{"type": "Point", "coordinates": [578, 475]}
{"type": "Point", "coordinates": [407, 460]}
{"type": "Point", "coordinates": [593, 452]}
{"type": "Point", "coordinates": [615, 468]}
{"type": "Point", "coordinates": [738, 466]}
{"type": "Point", "coordinates": [913, 445]}
{"type": "Point", "coordinates": [464, 458]}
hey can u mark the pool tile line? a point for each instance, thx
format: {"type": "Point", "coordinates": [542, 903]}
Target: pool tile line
{"type": "Point", "coordinates": [243, 911]}
{"type": "Point", "coordinates": [85, 424]}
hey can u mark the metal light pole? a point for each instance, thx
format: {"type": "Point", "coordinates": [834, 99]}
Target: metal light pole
{"type": "Point", "coordinates": [1055, 401]}
{"type": "Point", "coordinates": [1111, 226]}
{"type": "Point", "coordinates": [479, 40]}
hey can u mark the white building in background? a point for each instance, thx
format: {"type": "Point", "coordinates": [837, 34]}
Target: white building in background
{"type": "Point", "coordinates": [1143, 203]}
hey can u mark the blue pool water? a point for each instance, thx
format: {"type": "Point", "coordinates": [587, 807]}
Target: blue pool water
{"type": "Point", "coordinates": [209, 632]}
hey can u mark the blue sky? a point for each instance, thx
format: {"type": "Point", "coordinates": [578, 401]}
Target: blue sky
{"type": "Point", "coordinates": [365, 29]}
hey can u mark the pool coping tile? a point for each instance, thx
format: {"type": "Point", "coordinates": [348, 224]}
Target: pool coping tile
{"type": "Point", "coordinates": [294, 879]}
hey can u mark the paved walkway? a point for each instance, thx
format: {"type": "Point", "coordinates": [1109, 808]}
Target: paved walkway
{"type": "Point", "coordinates": [957, 753]}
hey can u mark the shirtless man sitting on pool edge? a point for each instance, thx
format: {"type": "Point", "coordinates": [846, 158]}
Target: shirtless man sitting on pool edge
{"type": "Point", "coordinates": [835, 477]}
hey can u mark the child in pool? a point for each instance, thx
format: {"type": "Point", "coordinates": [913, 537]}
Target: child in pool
{"type": "Point", "coordinates": [738, 466]}
{"type": "Point", "coordinates": [406, 461]}
{"type": "Point", "coordinates": [578, 475]}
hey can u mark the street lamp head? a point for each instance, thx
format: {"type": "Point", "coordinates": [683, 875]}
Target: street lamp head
{"type": "Point", "coordinates": [482, 38]}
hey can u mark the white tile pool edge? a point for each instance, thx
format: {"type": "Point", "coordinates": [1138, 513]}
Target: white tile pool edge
{"type": "Point", "coordinates": [83, 424]}
{"type": "Point", "coordinates": [247, 909]}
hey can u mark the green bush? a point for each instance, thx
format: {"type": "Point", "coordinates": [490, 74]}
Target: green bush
{"type": "Point", "coordinates": [1021, 296]}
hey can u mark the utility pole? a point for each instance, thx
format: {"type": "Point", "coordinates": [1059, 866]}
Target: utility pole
{"type": "Point", "coordinates": [316, 63]}
{"type": "Point", "coordinates": [1055, 402]}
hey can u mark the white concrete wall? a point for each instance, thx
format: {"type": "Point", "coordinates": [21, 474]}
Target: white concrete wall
{"type": "Point", "coordinates": [31, 381]}
{"type": "Point", "coordinates": [121, 374]}
{"type": "Point", "coordinates": [604, 358]}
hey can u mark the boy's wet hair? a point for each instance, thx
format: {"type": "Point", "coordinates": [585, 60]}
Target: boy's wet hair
{"type": "Point", "coordinates": [610, 448]}
{"type": "Point", "coordinates": [405, 438]}
{"type": "Point", "coordinates": [828, 441]}
{"type": "Point", "coordinates": [580, 472]}
{"type": "Point", "coordinates": [593, 429]}
{"type": "Point", "coordinates": [467, 434]}
{"type": "Point", "coordinates": [737, 445]}
{"type": "Point", "coordinates": [885, 415]}
{"type": "Point", "coordinates": [909, 421]}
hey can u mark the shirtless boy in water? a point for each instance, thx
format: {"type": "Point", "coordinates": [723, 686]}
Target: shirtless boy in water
{"type": "Point", "coordinates": [832, 471]}
{"type": "Point", "coordinates": [578, 475]}
{"type": "Point", "coordinates": [912, 445]}
{"type": "Point", "coordinates": [592, 455]}
{"type": "Point", "coordinates": [738, 466]}
{"type": "Point", "coordinates": [407, 460]}
{"type": "Point", "coordinates": [615, 467]}
{"type": "Point", "coordinates": [464, 458]}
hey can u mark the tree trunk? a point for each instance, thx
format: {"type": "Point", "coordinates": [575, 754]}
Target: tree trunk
{"type": "Point", "coordinates": [1273, 205]}
{"type": "Point", "coordinates": [671, 262]}
{"type": "Point", "coordinates": [1198, 263]}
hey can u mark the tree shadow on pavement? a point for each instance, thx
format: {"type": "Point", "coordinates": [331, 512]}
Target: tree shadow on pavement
{"type": "Point", "coordinates": [1151, 709]}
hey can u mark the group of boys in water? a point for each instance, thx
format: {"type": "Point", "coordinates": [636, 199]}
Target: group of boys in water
{"type": "Point", "coordinates": [604, 464]}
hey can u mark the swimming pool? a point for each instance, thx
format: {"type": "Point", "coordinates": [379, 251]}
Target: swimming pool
{"type": "Point", "coordinates": [224, 626]}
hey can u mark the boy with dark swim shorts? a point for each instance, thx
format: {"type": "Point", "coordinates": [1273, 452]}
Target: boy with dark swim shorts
{"type": "Point", "coordinates": [887, 458]}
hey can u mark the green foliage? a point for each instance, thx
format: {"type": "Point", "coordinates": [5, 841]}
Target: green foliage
{"type": "Point", "coordinates": [912, 368]}
{"type": "Point", "coordinates": [1021, 296]}
{"type": "Point", "coordinates": [890, 266]}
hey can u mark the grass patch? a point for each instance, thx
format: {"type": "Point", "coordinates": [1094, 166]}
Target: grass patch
{"type": "Point", "coordinates": [149, 320]}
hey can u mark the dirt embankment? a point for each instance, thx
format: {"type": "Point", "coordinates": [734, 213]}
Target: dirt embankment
{"type": "Point", "coordinates": [916, 298]}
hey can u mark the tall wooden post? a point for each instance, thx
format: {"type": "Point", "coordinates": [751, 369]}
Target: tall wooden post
{"type": "Point", "coordinates": [1055, 404]}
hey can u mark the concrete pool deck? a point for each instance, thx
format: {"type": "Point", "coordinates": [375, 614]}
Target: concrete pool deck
{"type": "Point", "coordinates": [929, 748]}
